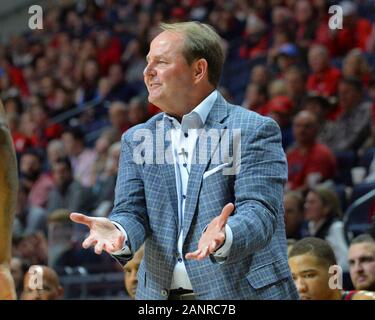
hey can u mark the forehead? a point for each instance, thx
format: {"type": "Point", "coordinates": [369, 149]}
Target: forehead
{"type": "Point", "coordinates": [305, 262]}
{"type": "Point", "coordinates": [362, 249]}
{"type": "Point", "coordinates": [165, 43]}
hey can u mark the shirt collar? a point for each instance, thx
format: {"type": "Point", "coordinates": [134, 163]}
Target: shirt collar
{"type": "Point", "coordinates": [198, 116]}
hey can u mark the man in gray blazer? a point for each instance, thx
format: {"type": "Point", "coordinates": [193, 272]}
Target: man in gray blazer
{"type": "Point", "coordinates": [201, 184]}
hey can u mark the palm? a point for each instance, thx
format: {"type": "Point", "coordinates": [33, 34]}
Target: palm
{"type": "Point", "coordinates": [103, 234]}
{"type": "Point", "coordinates": [213, 237]}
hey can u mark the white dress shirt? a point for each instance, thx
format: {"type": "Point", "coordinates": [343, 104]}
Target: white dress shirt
{"type": "Point", "coordinates": [184, 137]}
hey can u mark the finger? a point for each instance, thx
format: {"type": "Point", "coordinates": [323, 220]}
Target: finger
{"type": "Point", "coordinates": [225, 213]}
{"type": "Point", "coordinates": [204, 253]}
{"type": "Point", "coordinates": [108, 247]}
{"type": "Point", "coordinates": [89, 241]}
{"type": "Point", "coordinates": [99, 247]}
{"type": "Point", "coordinates": [214, 244]}
{"type": "Point", "coordinates": [81, 218]}
{"type": "Point", "coordinates": [193, 255]}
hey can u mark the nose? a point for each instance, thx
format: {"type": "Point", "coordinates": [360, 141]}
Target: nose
{"type": "Point", "coordinates": [149, 70]}
{"type": "Point", "coordinates": [301, 285]}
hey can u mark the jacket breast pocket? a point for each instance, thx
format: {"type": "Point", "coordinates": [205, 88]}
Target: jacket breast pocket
{"type": "Point", "coordinates": [268, 274]}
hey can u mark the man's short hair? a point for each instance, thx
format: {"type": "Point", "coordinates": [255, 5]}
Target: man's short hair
{"type": "Point", "coordinates": [65, 161]}
{"type": "Point", "coordinates": [316, 247]}
{"type": "Point", "coordinates": [76, 133]}
{"type": "Point", "coordinates": [354, 82]}
{"type": "Point", "coordinates": [201, 41]}
{"type": "Point", "coordinates": [363, 238]}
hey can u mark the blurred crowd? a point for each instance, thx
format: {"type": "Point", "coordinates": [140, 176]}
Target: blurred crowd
{"type": "Point", "coordinates": [71, 89]}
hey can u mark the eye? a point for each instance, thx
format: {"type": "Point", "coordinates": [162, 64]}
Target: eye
{"type": "Point", "coordinates": [309, 275]}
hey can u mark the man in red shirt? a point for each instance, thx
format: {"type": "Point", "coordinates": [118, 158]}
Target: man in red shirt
{"type": "Point", "coordinates": [324, 78]}
{"type": "Point", "coordinates": [308, 156]}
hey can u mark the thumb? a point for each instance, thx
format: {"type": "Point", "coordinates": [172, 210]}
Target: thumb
{"type": "Point", "coordinates": [81, 218]}
{"type": "Point", "coordinates": [225, 213]}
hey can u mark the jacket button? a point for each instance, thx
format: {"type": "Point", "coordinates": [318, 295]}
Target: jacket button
{"type": "Point", "coordinates": [164, 292]}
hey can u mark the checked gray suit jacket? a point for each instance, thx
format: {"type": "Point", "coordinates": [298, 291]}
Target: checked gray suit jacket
{"type": "Point", "coordinates": [146, 207]}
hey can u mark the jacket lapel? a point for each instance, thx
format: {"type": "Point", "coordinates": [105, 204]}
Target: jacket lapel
{"type": "Point", "coordinates": [163, 144]}
{"type": "Point", "coordinates": [214, 121]}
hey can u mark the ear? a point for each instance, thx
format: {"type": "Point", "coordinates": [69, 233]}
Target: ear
{"type": "Point", "coordinates": [200, 70]}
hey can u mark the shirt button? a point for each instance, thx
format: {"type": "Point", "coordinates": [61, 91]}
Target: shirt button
{"type": "Point", "coordinates": [183, 196]}
{"type": "Point", "coordinates": [179, 260]}
{"type": "Point", "coordinates": [186, 135]}
{"type": "Point", "coordinates": [185, 165]}
{"type": "Point", "coordinates": [164, 292]}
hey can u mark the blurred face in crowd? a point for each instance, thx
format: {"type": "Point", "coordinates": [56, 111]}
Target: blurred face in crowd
{"type": "Point", "coordinates": [91, 70]}
{"type": "Point", "coordinates": [115, 74]}
{"type": "Point", "coordinates": [362, 265]}
{"type": "Point", "coordinates": [318, 59]}
{"type": "Point", "coordinates": [61, 174]}
{"type": "Point", "coordinates": [168, 76]}
{"type": "Point", "coordinates": [295, 84]}
{"type": "Point", "coordinates": [30, 166]}
{"type": "Point", "coordinates": [303, 11]}
{"type": "Point", "coordinates": [311, 277]}
{"type": "Point", "coordinates": [39, 116]}
{"type": "Point", "coordinates": [48, 289]}
{"type": "Point", "coordinates": [131, 269]}
{"type": "Point", "coordinates": [293, 215]}
{"type": "Point", "coordinates": [305, 128]}
{"type": "Point", "coordinates": [118, 115]}
{"type": "Point", "coordinates": [254, 97]}
{"type": "Point", "coordinates": [349, 97]}
{"type": "Point", "coordinates": [259, 75]}
{"type": "Point", "coordinates": [314, 207]}
{"type": "Point", "coordinates": [136, 112]}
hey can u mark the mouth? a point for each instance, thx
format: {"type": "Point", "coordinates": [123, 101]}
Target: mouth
{"type": "Point", "coordinates": [361, 279]}
{"type": "Point", "coordinates": [305, 298]}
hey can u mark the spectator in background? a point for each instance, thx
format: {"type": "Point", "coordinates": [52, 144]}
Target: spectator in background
{"type": "Point", "coordinates": [55, 150]}
{"type": "Point", "coordinates": [130, 272]}
{"type": "Point", "coordinates": [44, 130]}
{"type": "Point", "coordinates": [134, 60]}
{"type": "Point", "coordinates": [295, 80]}
{"type": "Point", "coordinates": [308, 159]}
{"type": "Point", "coordinates": [352, 126]}
{"type": "Point", "coordinates": [119, 116]}
{"type": "Point", "coordinates": [120, 89]}
{"type": "Point", "coordinates": [51, 288]}
{"type": "Point", "coordinates": [88, 90]}
{"type": "Point", "coordinates": [355, 66]}
{"type": "Point", "coordinates": [39, 184]}
{"type": "Point", "coordinates": [260, 75]}
{"type": "Point", "coordinates": [280, 109]}
{"type": "Point", "coordinates": [28, 218]}
{"type": "Point", "coordinates": [293, 204]}
{"type": "Point", "coordinates": [323, 214]}
{"type": "Point", "coordinates": [324, 78]}
{"type": "Point", "coordinates": [104, 188]}
{"type": "Point", "coordinates": [68, 193]}
{"type": "Point", "coordinates": [32, 247]}
{"type": "Point", "coordinates": [355, 32]}
{"type": "Point", "coordinates": [137, 111]}
{"type": "Point", "coordinates": [20, 140]}
{"type": "Point", "coordinates": [82, 159]}
{"type": "Point", "coordinates": [287, 56]}
{"type": "Point", "coordinates": [102, 144]}
{"type": "Point", "coordinates": [256, 98]}
{"type": "Point", "coordinates": [361, 258]}
{"type": "Point", "coordinates": [310, 261]}
{"type": "Point", "coordinates": [306, 25]}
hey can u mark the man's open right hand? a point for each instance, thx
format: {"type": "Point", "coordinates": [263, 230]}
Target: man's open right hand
{"type": "Point", "coordinates": [103, 233]}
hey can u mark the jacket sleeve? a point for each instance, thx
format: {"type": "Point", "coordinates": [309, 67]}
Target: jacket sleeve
{"type": "Point", "coordinates": [258, 191]}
